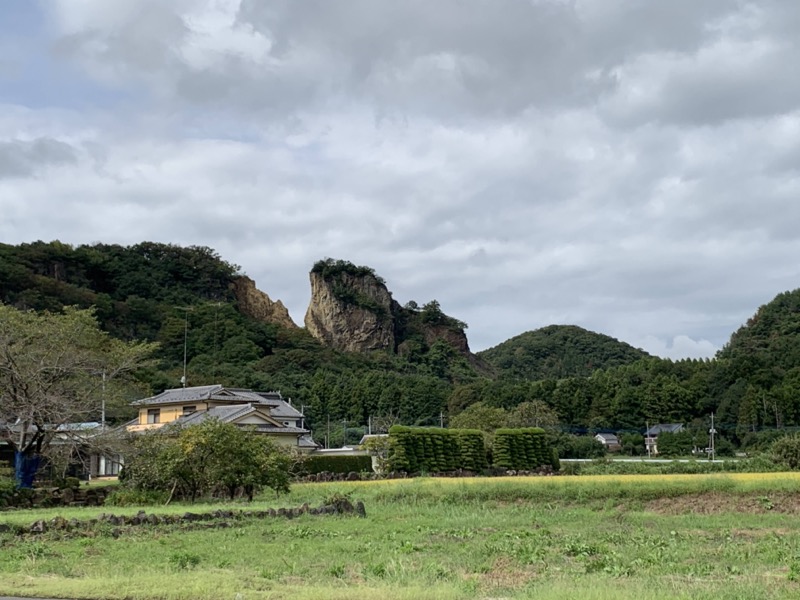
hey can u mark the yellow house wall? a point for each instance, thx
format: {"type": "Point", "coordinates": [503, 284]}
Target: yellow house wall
{"type": "Point", "coordinates": [284, 440]}
{"type": "Point", "coordinates": [168, 413]}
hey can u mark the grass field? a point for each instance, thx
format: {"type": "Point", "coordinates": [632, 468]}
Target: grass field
{"type": "Point", "coordinates": [644, 537]}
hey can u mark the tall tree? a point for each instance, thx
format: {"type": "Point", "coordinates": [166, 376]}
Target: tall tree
{"type": "Point", "coordinates": [55, 369]}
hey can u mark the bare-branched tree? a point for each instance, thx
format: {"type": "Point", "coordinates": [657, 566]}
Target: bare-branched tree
{"type": "Point", "coordinates": [56, 369]}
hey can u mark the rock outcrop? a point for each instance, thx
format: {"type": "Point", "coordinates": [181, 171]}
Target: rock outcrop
{"type": "Point", "coordinates": [453, 336]}
{"type": "Point", "coordinates": [350, 309]}
{"type": "Point", "coordinates": [257, 305]}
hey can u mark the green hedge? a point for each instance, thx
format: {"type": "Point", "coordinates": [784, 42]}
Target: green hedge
{"type": "Point", "coordinates": [416, 449]}
{"type": "Point", "coordinates": [524, 449]}
{"type": "Point", "coordinates": [336, 464]}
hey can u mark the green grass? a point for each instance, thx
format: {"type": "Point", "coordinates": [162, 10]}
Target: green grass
{"type": "Point", "coordinates": [588, 537]}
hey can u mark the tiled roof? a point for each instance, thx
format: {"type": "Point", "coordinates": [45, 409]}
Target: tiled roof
{"type": "Point", "coordinates": [189, 394]}
{"type": "Point", "coordinates": [226, 414]}
{"type": "Point", "coordinates": [281, 429]}
{"type": "Point", "coordinates": [305, 441]}
{"type": "Point", "coordinates": [664, 428]}
{"type": "Point", "coordinates": [284, 409]}
{"type": "Point", "coordinates": [221, 394]}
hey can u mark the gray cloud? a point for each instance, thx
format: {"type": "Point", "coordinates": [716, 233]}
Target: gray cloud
{"type": "Point", "coordinates": [22, 158]}
{"type": "Point", "coordinates": [627, 166]}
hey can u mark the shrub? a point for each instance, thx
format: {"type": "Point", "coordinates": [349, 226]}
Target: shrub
{"type": "Point", "coordinates": [336, 464]}
{"type": "Point", "coordinates": [576, 446]}
{"type": "Point", "coordinates": [675, 444]}
{"type": "Point", "coordinates": [7, 486]}
{"type": "Point", "coordinates": [786, 450]}
{"type": "Point", "coordinates": [128, 497]}
{"type": "Point", "coordinates": [200, 459]}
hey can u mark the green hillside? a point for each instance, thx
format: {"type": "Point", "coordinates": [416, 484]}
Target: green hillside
{"type": "Point", "coordinates": [158, 292]}
{"type": "Point", "coordinates": [559, 351]}
{"type": "Point", "coordinates": [161, 292]}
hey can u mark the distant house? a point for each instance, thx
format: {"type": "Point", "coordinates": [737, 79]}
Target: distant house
{"type": "Point", "coordinates": [265, 412]}
{"type": "Point", "coordinates": [79, 444]}
{"type": "Point", "coordinates": [651, 435]}
{"type": "Point", "coordinates": [610, 441]}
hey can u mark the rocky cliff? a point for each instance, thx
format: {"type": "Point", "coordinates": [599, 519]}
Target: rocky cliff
{"type": "Point", "coordinates": [350, 308]}
{"type": "Point", "coordinates": [257, 305]}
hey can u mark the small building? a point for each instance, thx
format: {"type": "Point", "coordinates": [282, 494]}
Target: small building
{"type": "Point", "coordinates": [651, 435]}
{"type": "Point", "coordinates": [610, 441]}
{"type": "Point", "coordinates": [266, 412]}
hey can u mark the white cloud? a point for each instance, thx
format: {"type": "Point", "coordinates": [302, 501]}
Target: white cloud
{"type": "Point", "coordinates": [640, 180]}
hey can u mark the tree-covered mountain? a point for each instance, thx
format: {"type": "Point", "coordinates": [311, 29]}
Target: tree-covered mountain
{"type": "Point", "coordinates": [190, 299]}
{"type": "Point", "coordinates": [559, 351]}
{"type": "Point", "coordinates": [171, 295]}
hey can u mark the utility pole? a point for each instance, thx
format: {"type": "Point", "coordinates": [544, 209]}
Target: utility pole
{"type": "Point", "coordinates": [303, 416]}
{"type": "Point", "coordinates": [185, 340]}
{"type": "Point", "coordinates": [103, 405]}
{"type": "Point", "coordinates": [712, 431]}
{"type": "Point", "coordinates": [344, 432]}
{"type": "Point", "coordinates": [369, 425]}
{"type": "Point", "coordinates": [646, 438]}
{"type": "Point", "coordinates": [216, 346]}
{"type": "Point", "coordinates": [441, 419]}
{"type": "Point", "coordinates": [328, 435]}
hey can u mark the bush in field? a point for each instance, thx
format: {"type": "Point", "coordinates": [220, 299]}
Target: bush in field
{"type": "Point", "coordinates": [200, 459]}
{"type": "Point", "coordinates": [786, 450]}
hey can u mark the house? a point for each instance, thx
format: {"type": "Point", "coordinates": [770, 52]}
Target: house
{"type": "Point", "coordinates": [266, 412]}
{"type": "Point", "coordinates": [610, 441]}
{"type": "Point", "coordinates": [652, 433]}
{"type": "Point", "coordinates": [80, 448]}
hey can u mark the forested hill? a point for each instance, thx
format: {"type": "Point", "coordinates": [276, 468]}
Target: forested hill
{"type": "Point", "coordinates": [159, 292]}
{"type": "Point", "coordinates": [559, 351]}
{"type": "Point", "coordinates": [768, 345]}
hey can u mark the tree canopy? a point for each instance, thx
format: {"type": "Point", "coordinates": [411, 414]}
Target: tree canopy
{"type": "Point", "coordinates": [57, 369]}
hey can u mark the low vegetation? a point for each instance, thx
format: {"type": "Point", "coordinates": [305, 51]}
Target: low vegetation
{"type": "Point", "coordinates": [620, 537]}
{"type": "Point", "coordinates": [209, 458]}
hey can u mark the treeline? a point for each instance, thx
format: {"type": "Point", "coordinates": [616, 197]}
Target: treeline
{"type": "Point", "coordinates": [651, 390]}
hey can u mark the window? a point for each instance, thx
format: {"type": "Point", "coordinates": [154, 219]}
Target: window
{"type": "Point", "coordinates": [187, 410]}
{"type": "Point", "coordinates": [153, 415]}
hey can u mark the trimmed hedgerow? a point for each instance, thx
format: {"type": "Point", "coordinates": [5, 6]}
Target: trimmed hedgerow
{"type": "Point", "coordinates": [434, 450]}
{"type": "Point", "coordinates": [337, 464]}
{"type": "Point", "coordinates": [524, 449]}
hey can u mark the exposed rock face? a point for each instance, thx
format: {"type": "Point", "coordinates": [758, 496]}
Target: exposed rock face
{"type": "Point", "coordinates": [455, 337]}
{"type": "Point", "coordinates": [350, 312]}
{"type": "Point", "coordinates": [257, 305]}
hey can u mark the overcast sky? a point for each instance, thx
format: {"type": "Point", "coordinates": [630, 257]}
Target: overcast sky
{"type": "Point", "coordinates": [632, 167]}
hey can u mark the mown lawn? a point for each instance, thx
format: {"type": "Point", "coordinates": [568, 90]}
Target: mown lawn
{"type": "Point", "coordinates": [643, 537]}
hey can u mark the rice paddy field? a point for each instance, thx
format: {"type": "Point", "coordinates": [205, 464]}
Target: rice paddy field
{"type": "Point", "coordinates": [647, 537]}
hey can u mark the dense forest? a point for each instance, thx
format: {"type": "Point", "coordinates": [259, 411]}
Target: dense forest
{"type": "Point", "coordinates": [168, 294]}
